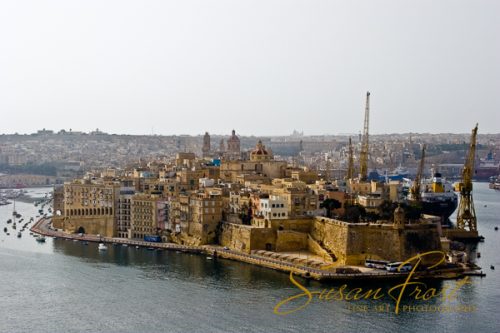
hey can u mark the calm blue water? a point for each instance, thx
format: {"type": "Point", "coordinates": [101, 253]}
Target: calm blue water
{"type": "Point", "coordinates": [66, 286]}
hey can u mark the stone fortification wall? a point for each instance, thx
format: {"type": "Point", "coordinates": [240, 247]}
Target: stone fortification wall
{"type": "Point", "coordinates": [352, 243]}
{"type": "Point", "coordinates": [299, 225]}
{"type": "Point", "coordinates": [246, 238]}
{"type": "Point", "coordinates": [288, 240]}
{"type": "Point", "coordinates": [103, 226]}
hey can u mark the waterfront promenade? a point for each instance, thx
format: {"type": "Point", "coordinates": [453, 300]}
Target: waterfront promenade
{"type": "Point", "coordinates": [42, 227]}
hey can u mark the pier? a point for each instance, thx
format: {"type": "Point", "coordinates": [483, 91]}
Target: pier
{"type": "Point", "coordinates": [42, 227]}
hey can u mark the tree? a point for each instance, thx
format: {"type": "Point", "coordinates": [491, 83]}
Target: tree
{"type": "Point", "coordinates": [353, 213]}
{"type": "Point", "coordinates": [329, 205]}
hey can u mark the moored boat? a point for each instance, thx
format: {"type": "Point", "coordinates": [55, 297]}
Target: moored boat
{"type": "Point", "coordinates": [437, 198]}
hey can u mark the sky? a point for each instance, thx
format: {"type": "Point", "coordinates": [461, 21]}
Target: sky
{"type": "Point", "coordinates": [262, 67]}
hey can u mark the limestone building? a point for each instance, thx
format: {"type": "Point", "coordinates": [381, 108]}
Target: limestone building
{"type": "Point", "coordinates": [261, 163]}
{"type": "Point", "coordinates": [233, 147]}
{"type": "Point", "coordinates": [148, 215]}
{"type": "Point", "coordinates": [195, 217]}
{"type": "Point", "coordinates": [89, 207]}
{"type": "Point", "coordinates": [123, 212]}
{"type": "Point", "coordinates": [206, 145]}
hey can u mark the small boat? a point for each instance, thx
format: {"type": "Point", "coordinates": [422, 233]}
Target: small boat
{"type": "Point", "coordinates": [102, 247]}
{"type": "Point", "coordinates": [14, 225]}
{"type": "Point", "coordinates": [209, 258]}
{"type": "Point", "coordinates": [8, 234]}
{"type": "Point", "coordinates": [85, 243]}
{"type": "Point", "coordinates": [479, 254]}
{"type": "Point", "coordinates": [5, 229]}
{"type": "Point", "coordinates": [496, 228]}
{"type": "Point", "coordinates": [40, 239]}
{"type": "Point", "coordinates": [19, 234]}
{"type": "Point", "coordinates": [137, 246]}
{"type": "Point", "coordinates": [151, 248]}
{"type": "Point", "coordinates": [492, 267]}
{"type": "Point", "coordinates": [124, 245]}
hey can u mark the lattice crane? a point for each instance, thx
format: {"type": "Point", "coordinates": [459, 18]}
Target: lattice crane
{"type": "Point", "coordinates": [466, 217]}
{"type": "Point", "coordinates": [350, 164]}
{"type": "Point", "coordinates": [363, 157]}
{"type": "Point", "coordinates": [416, 187]}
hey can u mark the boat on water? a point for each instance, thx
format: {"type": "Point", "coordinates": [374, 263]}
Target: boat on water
{"type": "Point", "coordinates": [14, 225]}
{"type": "Point", "coordinates": [102, 247]}
{"type": "Point", "coordinates": [4, 202]}
{"type": "Point", "coordinates": [437, 197]}
{"type": "Point", "coordinates": [397, 174]}
{"type": "Point", "coordinates": [495, 183]}
{"type": "Point", "coordinates": [19, 234]}
{"type": "Point", "coordinates": [5, 229]}
{"type": "Point", "coordinates": [40, 239]}
{"type": "Point", "coordinates": [488, 167]}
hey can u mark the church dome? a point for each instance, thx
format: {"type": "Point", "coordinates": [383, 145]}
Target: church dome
{"type": "Point", "coordinates": [260, 152]}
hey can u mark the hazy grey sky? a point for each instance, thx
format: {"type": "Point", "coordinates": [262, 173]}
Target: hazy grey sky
{"type": "Point", "coordinates": [261, 67]}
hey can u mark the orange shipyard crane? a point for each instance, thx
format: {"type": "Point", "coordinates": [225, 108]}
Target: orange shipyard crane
{"type": "Point", "coordinates": [363, 156]}
{"type": "Point", "coordinates": [416, 187]}
{"type": "Point", "coordinates": [466, 216]}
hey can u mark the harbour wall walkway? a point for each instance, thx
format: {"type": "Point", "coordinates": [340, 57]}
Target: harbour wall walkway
{"type": "Point", "coordinates": [43, 227]}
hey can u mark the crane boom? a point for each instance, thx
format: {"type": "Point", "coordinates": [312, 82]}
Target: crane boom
{"type": "Point", "coordinates": [466, 216]}
{"type": "Point", "coordinates": [415, 189]}
{"type": "Point", "coordinates": [350, 165]}
{"type": "Point", "coordinates": [363, 158]}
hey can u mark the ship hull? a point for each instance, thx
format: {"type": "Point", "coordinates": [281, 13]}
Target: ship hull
{"type": "Point", "coordinates": [443, 209]}
{"type": "Point", "coordinates": [484, 174]}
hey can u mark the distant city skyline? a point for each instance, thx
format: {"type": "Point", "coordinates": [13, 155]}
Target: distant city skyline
{"type": "Point", "coordinates": [263, 68]}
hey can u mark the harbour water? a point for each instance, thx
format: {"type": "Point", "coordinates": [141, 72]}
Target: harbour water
{"type": "Point", "coordinates": [67, 286]}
